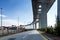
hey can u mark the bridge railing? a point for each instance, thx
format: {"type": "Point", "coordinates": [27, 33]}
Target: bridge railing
{"type": "Point", "coordinates": [33, 25]}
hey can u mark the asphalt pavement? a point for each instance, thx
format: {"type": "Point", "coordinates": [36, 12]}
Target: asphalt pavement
{"type": "Point", "coordinates": [28, 35]}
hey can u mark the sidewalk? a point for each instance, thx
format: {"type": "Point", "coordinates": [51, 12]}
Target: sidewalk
{"type": "Point", "coordinates": [49, 36]}
{"type": "Point", "coordinates": [52, 36]}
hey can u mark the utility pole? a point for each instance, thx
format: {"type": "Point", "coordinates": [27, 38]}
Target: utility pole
{"type": "Point", "coordinates": [18, 24]}
{"type": "Point", "coordinates": [1, 21]}
{"type": "Point", "coordinates": [18, 21]}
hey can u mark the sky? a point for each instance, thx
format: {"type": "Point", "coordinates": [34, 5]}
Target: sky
{"type": "Point", "coordinates": [22, 9]}
{"type": "Point", "coordinates": [14, 9]}
{"type": "Point", "coordinates": [51, 15]}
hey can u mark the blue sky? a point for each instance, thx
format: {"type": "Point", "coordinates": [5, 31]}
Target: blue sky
{"type": "Point", "coordinates": [51, 15]}
{"type": "Point", "coordinates": [12, 9]}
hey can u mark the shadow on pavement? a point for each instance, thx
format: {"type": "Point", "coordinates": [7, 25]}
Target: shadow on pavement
{"type": "Point", "coordinates": [11, 38]}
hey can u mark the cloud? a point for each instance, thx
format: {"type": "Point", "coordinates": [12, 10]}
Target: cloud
{"type": "Point", "coordinates": [10, 22]}
{"type": "Point", "coordinates": [3, 15]}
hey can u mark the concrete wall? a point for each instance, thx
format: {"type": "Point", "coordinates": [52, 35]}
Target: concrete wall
{"type": "Point", "coordinates": [43, 20]}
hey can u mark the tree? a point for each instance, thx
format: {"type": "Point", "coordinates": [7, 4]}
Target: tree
{"type": "Point", "coordinates": [58, 26]}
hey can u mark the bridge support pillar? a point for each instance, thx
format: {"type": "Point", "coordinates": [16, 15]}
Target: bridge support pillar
{"type": "Point", "coordinates": [33, 26]}
{"type": "Point", "coordinates": [58, 13]}
{"type": "Point", "coordinates": [43, 20]}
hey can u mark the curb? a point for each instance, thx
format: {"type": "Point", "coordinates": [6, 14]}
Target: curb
{"type": "Point", "coordinates": [45, 37]}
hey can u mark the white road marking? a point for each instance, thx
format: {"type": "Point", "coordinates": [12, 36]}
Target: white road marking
{"type": "Point", "coordinates": [24, 36]}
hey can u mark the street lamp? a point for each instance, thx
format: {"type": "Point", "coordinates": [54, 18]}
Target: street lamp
{"type": "Point", "coordinates": [18, 21]}
{"type": "Point", "coordinates": [1, 20]}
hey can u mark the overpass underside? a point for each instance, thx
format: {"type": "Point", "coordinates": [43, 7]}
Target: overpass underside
{"type": "Point", "coordinates": [40, 9]}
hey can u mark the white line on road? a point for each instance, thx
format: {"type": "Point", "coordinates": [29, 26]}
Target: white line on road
{"type": "Point", "coordinates": [24, 36]}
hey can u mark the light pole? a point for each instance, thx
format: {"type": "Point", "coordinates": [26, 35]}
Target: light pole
{"type": "Point", "coordinates": [1, 21]}
{"type": "Point", "coordinates": [18, 24]}
{"type": "Point", "coordinates": [18, 21]}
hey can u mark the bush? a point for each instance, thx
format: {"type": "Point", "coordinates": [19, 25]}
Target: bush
{"type": "Point", "coordinates": [51, 30]}
{"type": "Point", "coordinates": [43, 29]}
{"type": "Point", "coordinates": [57, 28]}
{"type": "Point", "coordinates": [48, 30]}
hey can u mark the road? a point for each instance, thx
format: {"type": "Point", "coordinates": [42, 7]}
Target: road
{"type": "Point", "coordinates": [28, 35]}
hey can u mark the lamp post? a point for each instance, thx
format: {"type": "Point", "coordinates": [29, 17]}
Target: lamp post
{"type": "Point", "coordinates": [18, 24]}
{"type": "Point", "coordinates": [18, 21]}
{"type": "Point", "coordinates": [1, 21]}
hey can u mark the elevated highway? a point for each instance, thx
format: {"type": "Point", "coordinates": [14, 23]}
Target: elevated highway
{"type": "Point", "coordinates": [40, 10]}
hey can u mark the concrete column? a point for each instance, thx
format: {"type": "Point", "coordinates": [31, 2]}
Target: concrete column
{"type": "Point", "coordinates": [39, 23]}
{"type": "Point", "coordinates": [35, 26]}
{"type": "Point", "coordinates": [43, 20]}
{"type": "Point", "coordinates": [43, 16]}
{"type": "Point", "coordinates": [58, 14]}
